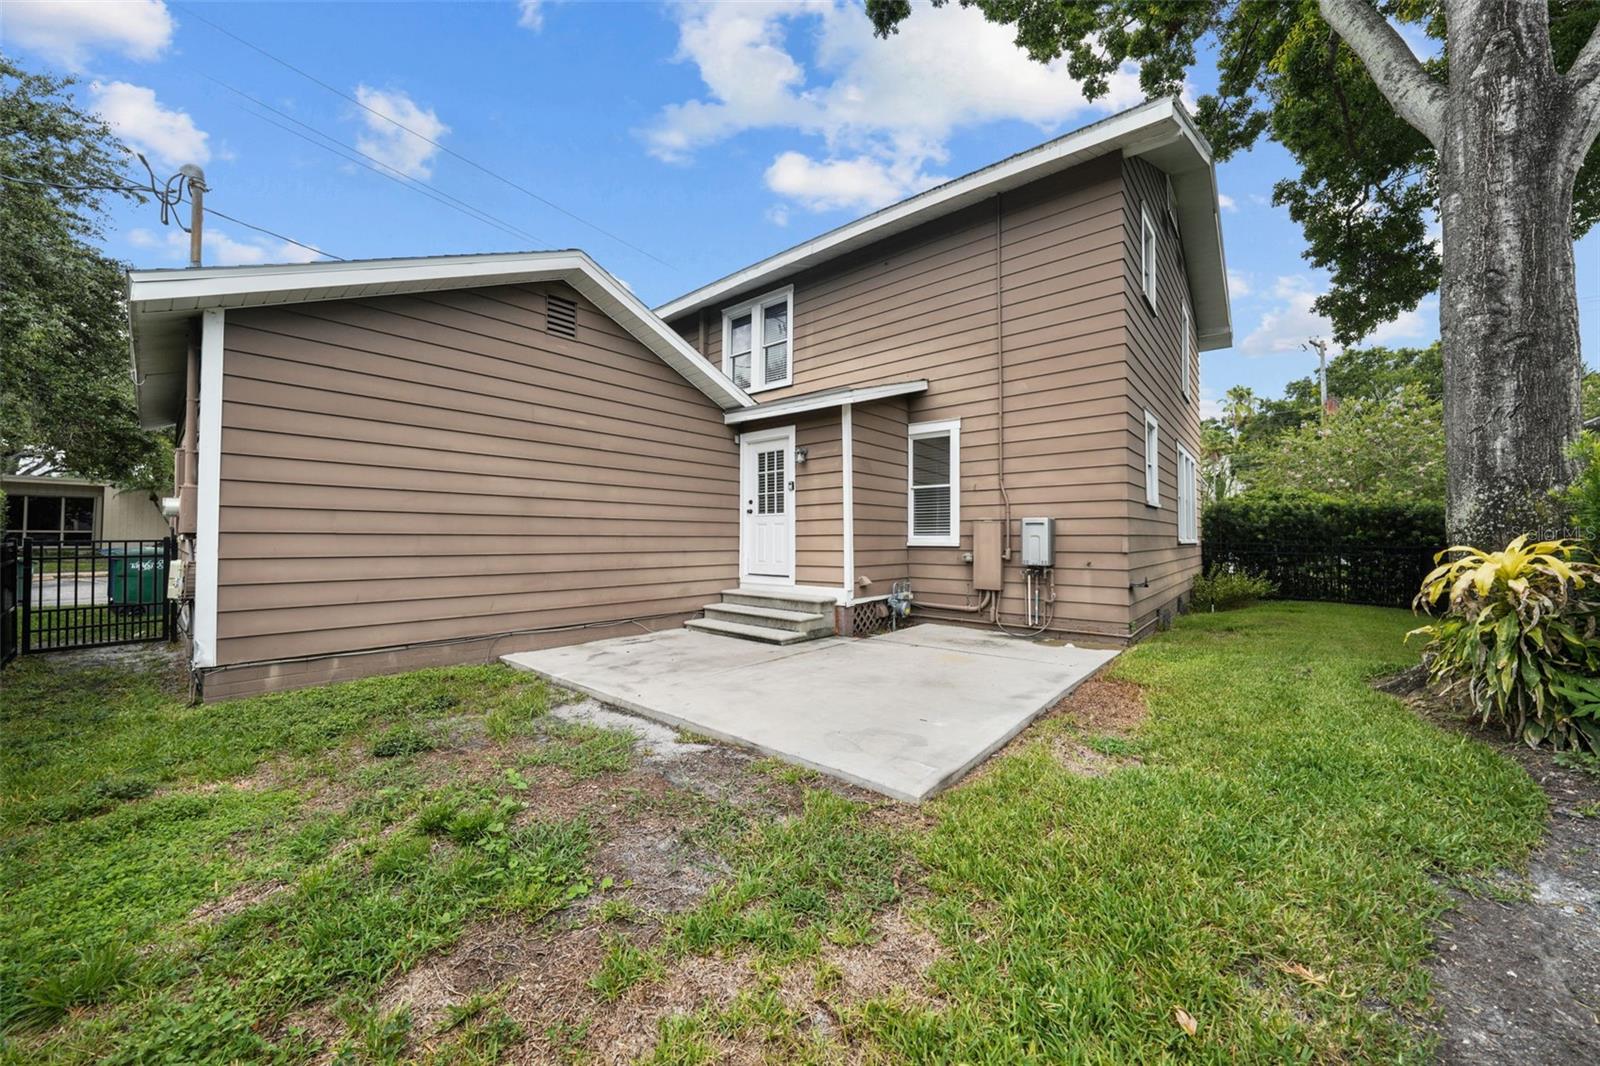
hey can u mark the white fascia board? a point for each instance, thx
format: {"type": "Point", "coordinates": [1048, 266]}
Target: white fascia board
{"type": "Point", "coordinates": [844, 397]}
{"type": "Point", "coordinates": [1100, 138]}
{"type": "Point", "coordinates": [154, 292]}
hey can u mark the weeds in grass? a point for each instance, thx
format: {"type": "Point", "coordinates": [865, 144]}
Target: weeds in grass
{"type": "Point", "coordinates": [514, 717]}
{"type": "Point", "coordinates": [623, 967]}
{"type": "Point", "coordinates": [617, 911]}
{"type": "Point", "coordinates": [89, 979]}
{"type": "Point", "coordinates": [401, 740]}
{"type": "Point", "coordinates": [584, 750]}
{"type": "Point", "coordinates": [377, 1039]}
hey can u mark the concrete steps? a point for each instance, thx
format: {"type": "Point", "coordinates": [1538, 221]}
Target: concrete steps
{"type": "Point", "coordinates": [782, 617]}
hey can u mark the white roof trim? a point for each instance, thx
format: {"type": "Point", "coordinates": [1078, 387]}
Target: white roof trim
{"type": "Point", "coordinates": [161, 302]}
{"type": "Point", "coordinates": [820, 401]}
{"type": "Point", "coordinates": [1160, 129]}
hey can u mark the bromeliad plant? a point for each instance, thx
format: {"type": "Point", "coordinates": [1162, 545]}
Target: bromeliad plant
{"type": "Point", "coordinates": [1520, 633]}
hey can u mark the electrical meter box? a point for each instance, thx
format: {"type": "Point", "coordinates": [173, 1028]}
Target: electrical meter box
{"type": "Point", "coordinates": [1038, 542]}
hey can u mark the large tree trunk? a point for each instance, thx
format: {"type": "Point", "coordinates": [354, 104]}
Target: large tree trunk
{"type": "Point", "coordinates": [1508, 298]}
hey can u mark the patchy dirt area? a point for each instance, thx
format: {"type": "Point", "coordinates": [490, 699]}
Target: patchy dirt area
{"type": "Point", "coordinates": [1083, 731]}
{"type": "Point", "coordinates": [1519, 981]}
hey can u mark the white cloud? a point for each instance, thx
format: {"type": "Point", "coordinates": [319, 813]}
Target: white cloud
{"type": "Point", "coordinates": [406, 150]}
{"type": "Point", "coordinates": [862, 183]}
{"type": "Point", "coordinates": [883, 110]}
{"type": "Point", "coordinates": [530, 14]}
{"type": "Point", "coordinates": [220, 249]}
{"type": "Point", "coordinates": [1226, 202]}
{"type": "Point", "coordinates": [1292, 322]}
{"type": "Point", "coordinates": [1210, 406]}
{"type": "Point", "coordinates": [1238, 285]}
{"type": "Point", "coordinates": [132, 111]}
{"type": "Point", "coordinates": [778, 215]}
{"type": "Point", "coordinates": [68, 32]}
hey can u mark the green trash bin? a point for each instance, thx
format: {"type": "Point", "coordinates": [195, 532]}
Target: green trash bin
{"type": "Point", "coordinates": [137, 579]}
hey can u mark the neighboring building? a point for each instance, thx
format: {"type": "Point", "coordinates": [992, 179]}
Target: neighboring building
{"type": "Point", "coordinates": [65, 510]}
{"type": "Point", "coordinates": [392, 463]}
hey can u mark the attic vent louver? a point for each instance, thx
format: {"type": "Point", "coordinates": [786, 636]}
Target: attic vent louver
{"type": "Point", "coordinates": [560, 317]}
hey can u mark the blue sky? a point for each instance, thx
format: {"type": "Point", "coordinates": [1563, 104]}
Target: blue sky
{"type": "Point", "coordinates": [703, 136]}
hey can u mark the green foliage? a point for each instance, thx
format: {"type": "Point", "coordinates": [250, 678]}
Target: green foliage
{"type": "Point", "coordinates": [1590, 394]}
{"type": "Point", "coordinates": [1372, 375]}
{"type": "Point", "coordinates": [1582, 498]}
{"type": "Point", "coordinates": [1369, 449]}
{"type": "Point", "coordinates": [65, 396]}
{"type": "Point", "coordinates": [1271, 519]}
{"type": "Point", "coordinates": [1227, 590]}
{"type": "Point", "coordinates": [1520, 634]}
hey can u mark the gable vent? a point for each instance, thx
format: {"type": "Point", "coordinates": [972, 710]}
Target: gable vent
{"type": "Point", "coordinates": [560, 317]}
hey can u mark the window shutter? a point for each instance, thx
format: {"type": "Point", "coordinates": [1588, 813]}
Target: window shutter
{"type": "Point", "coordinates": [560, 317]}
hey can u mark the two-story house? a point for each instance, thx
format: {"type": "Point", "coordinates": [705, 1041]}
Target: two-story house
{"type": "Point", "coordinates": [393, 463]}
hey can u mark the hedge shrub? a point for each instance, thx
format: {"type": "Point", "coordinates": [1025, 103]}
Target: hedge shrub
{"type": "Point", "coordinates": [1277, 519]}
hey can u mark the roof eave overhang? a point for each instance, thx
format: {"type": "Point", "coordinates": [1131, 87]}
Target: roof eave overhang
{"type": "Point", "coordinates": [824, 401]}
{"type": "Point", "coordinates": [162, 303]}
{"type": "Point", "coordinates": [1158, 130]}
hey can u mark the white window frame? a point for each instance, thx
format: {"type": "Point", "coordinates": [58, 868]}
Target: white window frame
{"type": "Point", "coordinates": [1152, 460]}
{"type": "Point", "coordinates": [921, 431]}
{"type": "Point", "coordinates": [1188, 485]}
{"type": "Point", "coordinates": [758, 364]}
{"type": "Point", "coordinates": [1149, 254]}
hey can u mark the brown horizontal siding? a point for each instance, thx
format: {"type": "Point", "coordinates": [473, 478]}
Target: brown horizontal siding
{"type": "Point", "coordinates": [819, 502]}
{"type": "Point", "coordinates": [922, 305]}
{"type": "Point", "coordinates": [878, 461]}
{"type": "Point", "coordinates": [1160, 568]}
{"type": "Point", "coordinates": [410, 470]}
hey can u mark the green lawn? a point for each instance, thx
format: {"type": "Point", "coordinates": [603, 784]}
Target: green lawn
{"type": "Point", "coordinates": [1267, 859]}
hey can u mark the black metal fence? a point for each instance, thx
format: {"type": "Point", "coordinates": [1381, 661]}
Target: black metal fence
{"type": "Point", "coordinates": [1381, 575]}
{"type": "Point", "coordinates": [11, 601]}
{"type": "Point", "coordinates": [86, 595]}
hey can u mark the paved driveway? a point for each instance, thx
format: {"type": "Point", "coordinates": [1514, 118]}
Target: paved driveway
{"type": "Point", "coordinates": [905, 714]}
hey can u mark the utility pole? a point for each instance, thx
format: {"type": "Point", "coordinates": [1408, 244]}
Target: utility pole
{"type": "Point", "coordinates": [1320, 346]}
{"type": "Point", "coordinates": [197, 209]}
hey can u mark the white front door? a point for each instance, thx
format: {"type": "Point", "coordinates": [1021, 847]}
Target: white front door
{"type": "Point", "coordinates": [766, 531]}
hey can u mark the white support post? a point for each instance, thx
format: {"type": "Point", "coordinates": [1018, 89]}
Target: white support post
{"type": "Point", "coordinates": [846, 430]}
{"type": "Point", "coordinates": [208, 503]}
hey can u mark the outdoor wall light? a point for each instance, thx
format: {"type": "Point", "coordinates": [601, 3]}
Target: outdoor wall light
{"type": "Point", "coordinates": [799, 456]}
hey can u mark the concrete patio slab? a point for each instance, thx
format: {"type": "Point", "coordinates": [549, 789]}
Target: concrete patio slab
{"type": "Point", "coordinates": [906, 714]}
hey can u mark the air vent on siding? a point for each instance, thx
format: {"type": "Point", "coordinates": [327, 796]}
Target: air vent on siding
{"type": "Point", "coordinates": [560, 317]}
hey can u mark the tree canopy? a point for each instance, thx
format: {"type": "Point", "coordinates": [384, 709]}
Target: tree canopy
{"type": "Point", "coordinates": [66, 398]}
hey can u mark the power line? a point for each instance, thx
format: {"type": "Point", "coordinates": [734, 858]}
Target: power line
{"type": "Point", "coordinates": [429, 140]}
{"type": "Point", "coordinates": [350, 152]}
{"type": "Point", "coordinates": [270, 233]}
{"type": "Point", "coordinates": [148, 191]}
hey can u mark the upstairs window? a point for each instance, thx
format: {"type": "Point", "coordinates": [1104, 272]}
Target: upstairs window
{"type": "Point", "coordinates": [1152, 460]}
{"type": "Point", "coordinates": [1188, 478]}
{"type": "Point", "coordinates": [756, 348]}
{"type": "Point", "coordinates": [934, 493]}
{"type": "Point", "coordinates": [1147, 255]}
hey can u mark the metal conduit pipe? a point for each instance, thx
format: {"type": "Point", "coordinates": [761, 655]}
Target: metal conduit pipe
{"type": "Point", "coordinates": [983, 603]}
